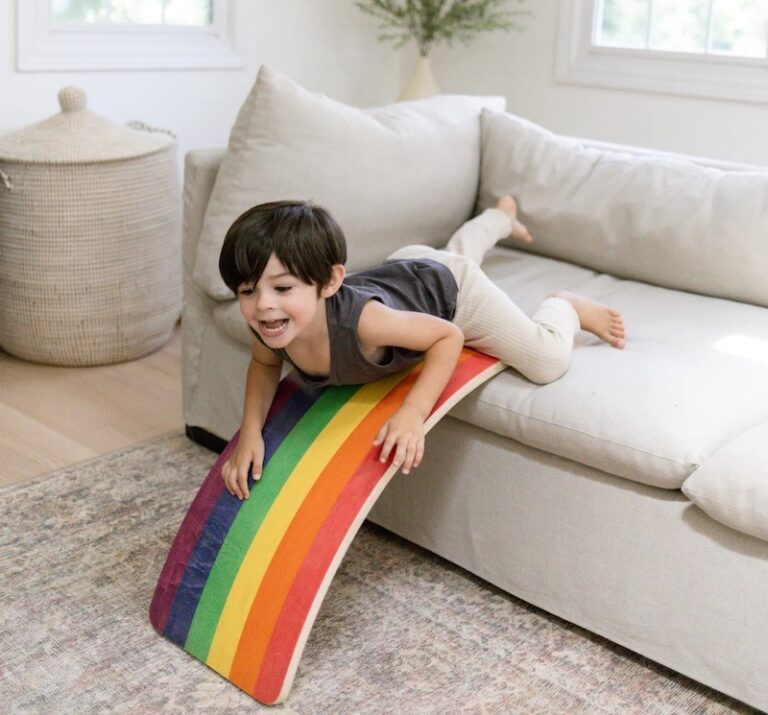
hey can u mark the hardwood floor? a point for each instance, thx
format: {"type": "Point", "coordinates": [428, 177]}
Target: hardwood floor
{"type": "Point", "coordinates": [51, 417]}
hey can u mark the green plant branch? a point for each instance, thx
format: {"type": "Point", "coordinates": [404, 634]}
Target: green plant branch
{"type": "Point", "coordinates": [430, 22]}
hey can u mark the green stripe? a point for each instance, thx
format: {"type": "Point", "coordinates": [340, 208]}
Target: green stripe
{"type": "Point", "coordinates": [252, 513]}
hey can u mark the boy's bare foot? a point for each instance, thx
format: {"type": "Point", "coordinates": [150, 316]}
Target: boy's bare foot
{"type": "Point", "coordinates": [509, 206]}
{"type": "Point", "coordinates": [597, 318]}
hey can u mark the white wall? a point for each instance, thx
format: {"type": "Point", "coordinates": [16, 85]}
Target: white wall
{"type": "Point", "coordinates": [328, 46]}
{"type": "Point", "coordinates": [520, 66]}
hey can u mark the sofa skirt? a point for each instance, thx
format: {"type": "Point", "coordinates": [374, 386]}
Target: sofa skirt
{"type": "Point", "coordinates": [641, 566]}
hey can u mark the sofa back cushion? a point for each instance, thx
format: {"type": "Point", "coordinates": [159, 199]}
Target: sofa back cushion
{"type": "Point", "coordinates": [661, 220]}
{"type": "Point", "coordinates": [393, 175]}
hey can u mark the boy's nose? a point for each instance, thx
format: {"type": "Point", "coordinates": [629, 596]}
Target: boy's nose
{"type": "Point", "coordinates": [264, 302]}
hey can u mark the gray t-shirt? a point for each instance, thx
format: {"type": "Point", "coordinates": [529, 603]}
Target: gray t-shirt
{"type": "Point", "coordinates": [421, 285]}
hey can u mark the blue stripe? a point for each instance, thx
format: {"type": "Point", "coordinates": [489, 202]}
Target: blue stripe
{"type": "Point", "coordinates": [223, 514]}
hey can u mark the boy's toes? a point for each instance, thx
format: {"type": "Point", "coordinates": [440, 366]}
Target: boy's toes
{"type": "Point", "coordinates": [617, 342]}
{"type": "Point", "coordinates": [508, 204]}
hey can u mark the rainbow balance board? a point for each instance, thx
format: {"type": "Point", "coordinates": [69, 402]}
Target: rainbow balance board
{"type": "Point", "coordinates": [244, 580]}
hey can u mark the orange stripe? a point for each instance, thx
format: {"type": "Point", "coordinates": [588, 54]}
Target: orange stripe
{"type": "Point", "coordinates": [270, 597]}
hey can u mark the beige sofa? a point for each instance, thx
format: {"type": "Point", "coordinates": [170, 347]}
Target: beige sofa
{"type": "Point", "coordinates": [628, 497]}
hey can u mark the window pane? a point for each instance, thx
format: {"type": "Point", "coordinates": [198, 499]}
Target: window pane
{"type": "Point", "coordinates": [80, 10]}
{"type": "Point", "coordinates": [680, 25]}
{"type": "Point", "coordinates": [189, 12]}
{"type": "Point", "coordinates": [624, 23]}
{"type": "Point", "coordinates": [740, 28]}
{"type": "Point", "coordinates": [137, 12]}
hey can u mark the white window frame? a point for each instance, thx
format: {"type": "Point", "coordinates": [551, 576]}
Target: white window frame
{"type": "Point", "coordinates": [579, 61]}
{"type": "Point", "coordinates": [42, 45]}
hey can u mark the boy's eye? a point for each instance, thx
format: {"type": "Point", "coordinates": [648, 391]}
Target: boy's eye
{"type": "Point", "coordinates": [283, 289]}
{"type": "Point", "coordinates": [245, 291]}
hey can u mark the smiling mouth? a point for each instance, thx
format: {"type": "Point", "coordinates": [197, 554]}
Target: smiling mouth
{"type": "Point", "coordinates": [272, 328]}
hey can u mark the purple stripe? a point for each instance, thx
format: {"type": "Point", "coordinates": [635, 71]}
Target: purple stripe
{"type": "Point", "coordinates": [196, 518]}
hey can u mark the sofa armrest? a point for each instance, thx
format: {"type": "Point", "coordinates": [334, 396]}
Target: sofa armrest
{"type": "Point", "coordinates": [200, 169]}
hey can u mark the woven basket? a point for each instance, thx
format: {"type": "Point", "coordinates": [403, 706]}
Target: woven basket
{"type": "Point", "coordinates": [89, 239]}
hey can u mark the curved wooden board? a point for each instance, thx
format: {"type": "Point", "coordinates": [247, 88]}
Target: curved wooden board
{"type": "Point", "coordinates": [244, 580]}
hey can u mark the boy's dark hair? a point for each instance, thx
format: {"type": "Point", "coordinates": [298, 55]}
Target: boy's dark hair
{"type": "Point", "coordinates": [304, 237]}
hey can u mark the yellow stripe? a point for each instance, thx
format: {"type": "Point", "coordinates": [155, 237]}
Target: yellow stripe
{"type": "Point", "coordinates": [280, 515]}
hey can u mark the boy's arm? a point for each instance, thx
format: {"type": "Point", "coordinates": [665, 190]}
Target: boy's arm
{"type": "Point", "coordinates": [260, 387]}
{"type": "Point", "coordinates": [441, 342]}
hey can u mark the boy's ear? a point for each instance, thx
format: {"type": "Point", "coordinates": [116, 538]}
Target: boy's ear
{"type": "Point", "coordinates": [337, 276]}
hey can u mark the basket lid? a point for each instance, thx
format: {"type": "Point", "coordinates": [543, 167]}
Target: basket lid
{"type": "Point", "coordinates": [78, 136]}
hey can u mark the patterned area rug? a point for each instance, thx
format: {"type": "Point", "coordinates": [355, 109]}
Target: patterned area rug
{"type": "Point", "coordinates": [401, 631]}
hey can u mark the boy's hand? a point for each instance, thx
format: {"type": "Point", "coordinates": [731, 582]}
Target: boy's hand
{"type": "Point", "coordinates": [404, 431]}
{"type": "Point", "coordinates": [249, 451]}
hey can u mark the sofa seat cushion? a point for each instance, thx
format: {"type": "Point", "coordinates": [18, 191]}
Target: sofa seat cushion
{"type": "Point", "coordinates": [693, 376]}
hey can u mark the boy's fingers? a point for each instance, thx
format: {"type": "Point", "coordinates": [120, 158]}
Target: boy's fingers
{"type": "Point", "coordinates": [410, 455]}
{"type": "Point", "coordinates": [387, 448]}
{"type": "Point", "coordinates": [391, 448]}
{"type": "Point", "coordinates": [419, 453]}
{"type": "Point", "coordinates": [399, 454]}
{"type": "Point", "coordinates": [242, 481]}
{"type": "Point", "coordinates": [229, 474]}
{"type": "Point", "coordinates": [381, 434]}
{"type": "Point", "coordinates": [234, 481]}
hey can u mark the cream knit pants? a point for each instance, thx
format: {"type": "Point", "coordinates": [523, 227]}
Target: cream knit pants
{"type": "Point", "coordinates": [540, 347]}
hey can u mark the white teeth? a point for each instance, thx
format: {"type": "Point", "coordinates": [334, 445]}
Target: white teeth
{"type": "Point", "coordinates": [273, 326]}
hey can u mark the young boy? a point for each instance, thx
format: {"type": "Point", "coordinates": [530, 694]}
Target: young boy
{"type": "Point", "coordinates": [285, 262]}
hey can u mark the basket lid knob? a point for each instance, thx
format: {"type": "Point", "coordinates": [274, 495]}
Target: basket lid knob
{"type": "Point", "coordinates": [72, 99]}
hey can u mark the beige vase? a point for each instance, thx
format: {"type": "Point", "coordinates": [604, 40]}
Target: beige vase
{"type": "Point", "coordinates": [422, 82]}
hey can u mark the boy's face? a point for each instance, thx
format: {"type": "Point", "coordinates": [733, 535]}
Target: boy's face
{"type": "Point", "coordinates": [279, 306]}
